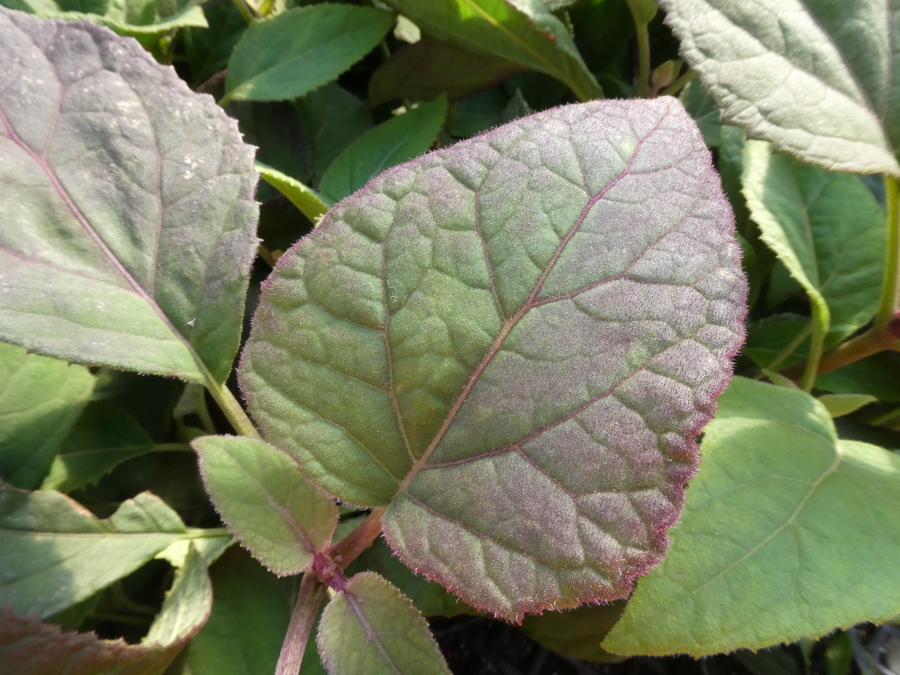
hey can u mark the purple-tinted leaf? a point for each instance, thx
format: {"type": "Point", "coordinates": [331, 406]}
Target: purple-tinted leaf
{"type": "Point", "coordinates": [127, 219]}
{"type": "Point", "coordinates": [511, 343]}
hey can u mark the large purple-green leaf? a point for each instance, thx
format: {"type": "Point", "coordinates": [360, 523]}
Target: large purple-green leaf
{"type": "Point", "coordinates": [511, 343]}
{"type": "Point", "coordinates": [127, 220]}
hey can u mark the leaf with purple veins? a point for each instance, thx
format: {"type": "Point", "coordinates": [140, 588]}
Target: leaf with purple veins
{"type": "Point", "coordinates": [511, 344]}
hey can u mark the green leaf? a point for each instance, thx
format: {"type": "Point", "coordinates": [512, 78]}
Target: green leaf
{"type": "Point", "coordinates": [457, 340]}
{"type": "Point", "coordinates": [51, 548]}
{"type": "Point", "coordinates": [432, 67]}
{"type": "Point", "coordinates": [104, 257]}
{"type": "Point", "coordinates": [40, 399]}
{"type": "Point", "coordinates": [333, 119]}
{"type": "Point", "coordinates": [279, 516]}
{"type": "Point", "coordinates": [101, 440]}
{"type": "Point", "coordinates": [29, 647]}
{"type": "Point", "coordinates": [430, 598]}
{"type": "Point", "coordinates": [877, 375]}
{"type": "Point", "coordinates": [578, 632]}
{"type": "Point", "coordinates": [370, 628]}
{"type": "Point", "coordinates": [814, 77]}
{"type": "Point", "coordinates": [126, 17]}
{"type": "Point", "coordinates": [827, 229]}
{"type": "Point", "coordinates": [397, 140]}
{"type": "Point", "coordinates": [304, 198]}
{"type": "Point", "coordinates": [520, 31]}
{"type": "Point", "coordinates": [250, 614]}
{"type": "Point", "coordinates": [839, 405]}
{"type": "Point", "coordinates": [300, 50]}
{"type": "Point", "coordinates": [792, 569]}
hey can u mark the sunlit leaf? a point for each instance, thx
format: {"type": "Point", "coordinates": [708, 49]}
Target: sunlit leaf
{"type": "Point", "coordinates": [370, 627]}
{"type": "Point", "coordinates": [126, 202]}
{"type": "Point", "coordinates": [815, 77]}
{"type": "Point", "coordinates": [823, 509]}
{"type": "Point", "coordinates": [511, 344]}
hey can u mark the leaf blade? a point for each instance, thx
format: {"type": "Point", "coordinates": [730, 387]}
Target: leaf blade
{"type": "Point", "coordinates": [103, 261]}
{"type": "Point", "coordinates": [300, 50]}
{"type": "Point", "coordinates": [439, 318]}
{"type": "Point", "coordinates": [825, 96]}
{"type": "Point", "coordinates": [370, 627]}
{"type": "Point", "coordinates": [279, 516]}
{"type": "Point", "coordinates": [793, 558]}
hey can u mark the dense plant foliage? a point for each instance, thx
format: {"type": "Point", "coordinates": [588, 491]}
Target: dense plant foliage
{"type": "Point", "coordinates": [488, 293]}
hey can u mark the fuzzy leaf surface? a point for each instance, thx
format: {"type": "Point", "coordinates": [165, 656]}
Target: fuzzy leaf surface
{"type": "Point", "coordinates": [50, 546]}
{"type": "Point", "coordinates": [30, 647]}
{"type": "Point", "coordinates": [300, 50]}
{"type": "Point", "coordinates": [814, 77]}
{"type": "Point", "coordinates": [827, 229]}
{"type": "Point", "coordinates": [276, 513]}
{"type": "Point", "coordinates": [126, 203]}
{"type": "Point", "coordinates": [371, 628]}
{"type": "Point", "coordinates": [520, 31]}
{"type": "Point", "coordinates": [40, 400]}
{"type": "Point", "coordinates": [793, 570]}
{"type": "Point", "coordinates": [511, 343]}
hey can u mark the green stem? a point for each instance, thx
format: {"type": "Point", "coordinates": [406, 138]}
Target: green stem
{"type": "Point", "coordinates": [244, 10]}
{"type": "Point", "coordinates": [312, 592]}
{"type": "Point", "coordinates": [232, 409]}
{"type": "Point", "coordinates": [679, 83]}
{"type": "Point", "coordinates": [820, 322]}
{"type": "Point", "coordinates": [870, 342]}
{"type": "Point", "coordinates": [643, 40]}
{"type": "Point", "coordinates": [891, 280]}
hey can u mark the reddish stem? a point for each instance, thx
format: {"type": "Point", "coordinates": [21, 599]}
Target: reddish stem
{"type": "Point", "coordinates": [347, 549]}
{"type": "Point", "coordinates": [312, 592]}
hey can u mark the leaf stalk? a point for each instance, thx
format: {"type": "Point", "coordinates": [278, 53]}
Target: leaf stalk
{"type": "Point", "coordinates": [890, 285]}
{"type": "Point", "coordinates": [232, 409]}
{"type": "Point", "coordinates": [312, 592]}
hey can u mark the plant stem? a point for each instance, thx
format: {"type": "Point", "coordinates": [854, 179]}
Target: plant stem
{"type": "Point", "coordinates": [889, 285]}
{"type": "Point", "coordinates": [820, 322]}
{"type": "Point", "coordinates": [312, 592]}
{"type": "Point", "coordinates": [347, 549]}
{"type": "Point", "coordinates": [679, 83]}
{"type": "Point", "coordinates": [870, 342]}
{"type": "Point", "coordinates": [643, 40]}
{"type": "Point", "coordinates": [232, 409]}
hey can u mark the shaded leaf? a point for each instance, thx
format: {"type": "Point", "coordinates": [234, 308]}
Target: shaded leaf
{"type": "Point", "coordinates": [432, 67]}
{"type": "Point", "coordinates": [40, 399]}
{"type": "Point", "coordinates": [103, 438]}
{"type": "Point", "coordinates": [792, 570]}
{"type": "Point", "coordinates": [814, 77]}
{"type": "Point", "coordinates": [250, 614]}
{"type": "Point", "coordinates": [517, 30]}
{"type": "Point", "coordinates": [533, 322]}
{"type": "Point", "coordinates": [839, 405]}
{"type": "Point", "coordinates": [333, 119]}
{"type": "Point", "coordinates": [29, 647]}
{"type": "Point", "coordinates": [877, 375]}
{"type": "Point", "coordinates": [397, 140]}
{"type": "Point", "coordinates": [577, 632]}
{"type": "Point", "coordinates": [270, 507]}
{"type": "Point", "coordinates": [300, 50]}
{"type": "Point", "coordinates": [304, 198]}
{"type": "Point", "coordinates": [826, 228]}
{"type": "Point", "coordinates": [479, 113]}
{"type": "Point", "coordinates": [107, 161]}
{"type": "Point", "coordinates": [370, 627]}
{"type": "Point", "coordinates": [50, 547]}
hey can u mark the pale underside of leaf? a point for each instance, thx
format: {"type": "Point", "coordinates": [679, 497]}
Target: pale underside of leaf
{"type": "Point", "coordinates": [813, 77]}
{"type": "Point", "coordinates": [126, 203]}
{"type": "Point", "coordinates": [512, 344]}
